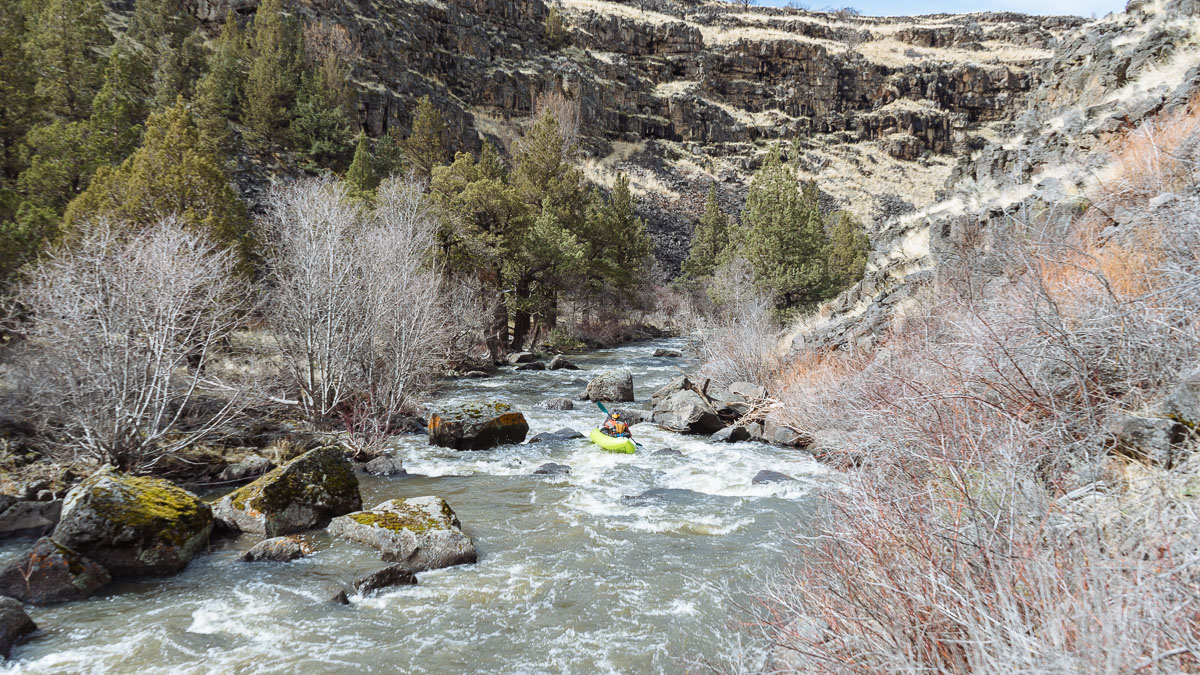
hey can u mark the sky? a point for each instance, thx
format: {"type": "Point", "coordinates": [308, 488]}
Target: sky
{"type": "Point", "coordinates": [912, 7]}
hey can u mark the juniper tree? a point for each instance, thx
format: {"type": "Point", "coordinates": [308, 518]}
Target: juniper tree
{"type": "Point", "coordinates": [361, 177]}
{"type": "Point", "coordinates": [321, 129]}
{"type": "Point", "coordinates": [65, 48]}
{"type": "Point", "coordinates": [20, 110]}
{"type": "Point", "coordinates": [848, 249]}
{"type": "Point", "coordinates": [621, 248]}
{"type": "Point", "coordinates": [425, 146]}
{"type": "Point", "coordinates": [274, 74]}
{"type": "Point", "coordinates": [218, 93]}
{"type": "Point", "coordinates": [709, 240]}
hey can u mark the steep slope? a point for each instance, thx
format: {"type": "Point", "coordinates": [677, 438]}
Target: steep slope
{"type": "Point", "coordinates": [1108, 77]}
{"type": "Point", "coordinates": [678, 94]}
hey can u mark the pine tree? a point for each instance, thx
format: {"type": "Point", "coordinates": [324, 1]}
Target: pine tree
{"type": "Point", "coordinates": [388, 152]}
{"type": "Point", "coordinates": [218, 93]}
{"type": "Point", "coordinates": [64, 49]}
{"type": "Point", "coordinates": [848, 249]}
{"type": "Point", "coordinates": [623, 251]}
{"type": "Point", "coordinates": [425, 146]}
{"type": "Point", "coordinates": [361, 174]}
{"type": "Point", "coordinates": [709, 241]}
{"type": "Point", "coordinates": [118, 110]}
{"type": "Point", "coordinates": [19, 111]}
{"type": "Point", "coordinates": [173, 173]}
{"type": "Point", "coordinates": [782, 235]}
{"type": "Point", "coordinates": [320, 128]}
{"type": "Point", "coordinates": [274, 75]}
{"type": "Point", "coordinates": [61, 162]}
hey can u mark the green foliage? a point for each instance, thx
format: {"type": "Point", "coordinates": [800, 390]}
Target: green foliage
{"type": "Point", "coordinates": [848, 249]}
{"type": "Point", "coordinates": [119, 107]}
{"type": "Point", "coordinates": [61, 163]}
{"type": "Point", "coordinates": [622, 251]}
{"type": "Point", "coordinates": [388, 152]}
{"type": "Point", "coordinates": [218, 93]}
{"type": "Point", "coordinates": [555, 29]}
{"type": "Point", "coordinates": [486, 215]}
{"type": "Point", "coordinates": [321, 129]}
{"type": "Point", "coordinates": [22, 237]}
{"type": "Point", "coordinates": [425, 147]}
{"type": "Point", "coordinates": [274, 75]}
{"type": "Point", "coordinates": [19, 111]}
{"type": "Point", "coordinates": [65, 49]}
{"type": "Point", "coordinates": [361, 175]}
{"type": "Point", "coordinates": [709, 241]}
{"type": "Point", "coordinates": [171, 46]}
{"type": "Point", "coordinates": [782, 235]}
{"type": "Point", "coordinates": [174, 173]}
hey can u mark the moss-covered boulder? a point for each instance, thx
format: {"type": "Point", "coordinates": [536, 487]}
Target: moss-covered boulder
{"type": "Point", "coordinates": [278, 549]}
{"type": "Point", "coordinates": [421, 533]}
{"type": "Point", "coordinates": [477, 426]}
{"type": "Point", "coordinates": [133, 525]}
{"type": "Point", "coordinates": [50, 573]}
{"type": "Point", "coordinates": [300, 495]}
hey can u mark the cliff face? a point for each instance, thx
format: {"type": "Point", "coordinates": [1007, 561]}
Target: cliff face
{"type": "Point", "coordinates": [680, 94]}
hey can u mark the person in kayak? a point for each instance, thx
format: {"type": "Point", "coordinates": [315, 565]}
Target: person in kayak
{"type": "Point", "coordinates": [615, 427]}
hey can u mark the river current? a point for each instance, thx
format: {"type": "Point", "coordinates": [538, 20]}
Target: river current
{"type": "Point", "coordinates": [629, 564]}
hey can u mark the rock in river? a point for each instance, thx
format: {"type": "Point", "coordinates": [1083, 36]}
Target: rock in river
{"type": "Point", "coordinates": [278, 549]}
{"type": "Point", "coordinates": [300, 495]}
{"type": "Point", "coordinates": [557, 404]}
{"type": "Point", "coordinates": [532, 365]}
{"type": "Point", "coordinates": [730, 435]}
{"type": "Point", "coordinates": [422, 533]}
{"type": "Point", "coordinates": [385, 465]}
{"type": "Point", "coordinates": [14, 625]}
{"type": "Point", "coordinates": [552, 469]}
{"type": "Point", "coordinates": [614, 385]}
{"type": "Point", "coordinates": [29, 517]}
{"type": "Point", "coordinates": [667, 353]}
{"type": "Point", "coordinates": [765, 476]}
{"type": "Point", "coordinates": [686, 412]}
{"type": "Point", "coordinates": [50, 573]}
{"type": "Point", "coordinates": [560, 362]}
{"type": "Point", "coordinates": [521, 357]}
{"type": "Point", "coordinates": [477, 426]}
{"type": "Point", "coordinates": [133, 525]}
{"type": "Point", "coordinates": [395, 575]}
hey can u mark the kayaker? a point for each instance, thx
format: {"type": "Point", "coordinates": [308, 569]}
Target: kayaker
{"type": "Point", "coordinates": [613, 426]}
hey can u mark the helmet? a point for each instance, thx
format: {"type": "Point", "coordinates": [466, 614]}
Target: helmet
{"type": "Point", "coordinates": [615, 415]}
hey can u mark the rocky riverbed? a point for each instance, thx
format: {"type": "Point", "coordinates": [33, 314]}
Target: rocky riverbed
{"type": "Point", "coordinates": [601, 562]}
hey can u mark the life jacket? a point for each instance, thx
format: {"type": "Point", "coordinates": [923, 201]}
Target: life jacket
{"type": "Point", "coordinates": [616, 427]}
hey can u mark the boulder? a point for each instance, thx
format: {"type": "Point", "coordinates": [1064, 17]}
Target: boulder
{"type": "Point", "coordinates": [557, 404]}
{"type": "Point", "coordinates": [133, 525]}
{"type": "Point", "coordinates": [686, 412]}
{"type": "Point", "coordinates": [420, 532]}
{"type": "Point", "coordinates": [667, 353]}
{"type": "Point", "coordinates": [560, 362]}
{"type": "Point", "coordinates": [1153, 440]}
{"type": "Point", "coordinates": [748, 390]}
{"type": "Point", "coordinates": [477, 426]}
{"type": "Point", "coordinates": [14, 625]}
{"type": "Point", "coordinates": [633, 416]}
{"type": "Point", "coordinates": [765, 477]}
{"type": "Point", "coordinates": [32, 517]}
{"type": "Point", "coordinates": [564, 434]}
{"type": "Point", "coordinates": [278, 549]}
{"type": "Point", "coordinates": [521, 357]}
{"type": "Point", "coordinates": [50, 573]}
{"type": "Point", "coordinates": [338, 597]}
{"type": "Point", "coordinates": [552, 469]}
{"type": "Point", "coordinates": [667, 452]}
{"type": "Point", "coordinates": [1183, 403]}
{"type": "Point", "coordinates": [7, 501]}
{"type": "Point", "coordinates": [388, 577]}
{"type": "Point", "coordinates": [248, 468]}
{"type": "Point", "coordinates": [385, 465]}
{"type": "Point", "coordinates": [779, 434]}
{"type": "Point", "coordinates": [532, 365]}
{"type": "Point", "coordinates": [474, 375]}
{"type": "Point", "coordinates": [681, 383]}
{"type": "Point", "coordinates": [730, 435]}
{"type": "Point", "coordinates": [300, 495]}
{"type": "Point", "coordinates": [614, 385]}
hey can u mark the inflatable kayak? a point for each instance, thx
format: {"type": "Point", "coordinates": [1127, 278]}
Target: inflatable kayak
{"type": "Point", "coordinates": [622, 445]}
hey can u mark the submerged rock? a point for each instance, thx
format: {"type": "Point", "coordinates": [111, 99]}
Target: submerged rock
{"type": "Point", "coordinates": [552, 469]}
{"type": "Point", "coordinates": [658, 496]}
{"type": "Point", "coordinates": [557, 404]}
{"type": "Point", "coordinates": [300, 495]}
{"type": "Point", "coordinates": [388, 577]}
{"type": "Point", "coordinates": [338, 597]}
{"type": "Point", "coordinates": [765, 476]}
{"type": "Point", "coordinates": [50, 573]}
{"type": "Point", "coordinates": [14, 625]}
{"type": "Point", "coordinates": [385, 465]}
{"type": "Point", "coordinates": [278, 549]}
{"type": "Point", "coordinates": [532, 365]}
{"type": "Point", "coordinates": [561, 362]}
{"type": "Point", "coordinates": [667, 353]}
{"type": "Point", "coordinates": [29, 517]}
{"type": "Point", "coordinates": [133, 525]}
{"type": "Point", "coordinates": [521, 357]}
{"type": "Point", "coordinates": [614, 385]}
{"type": "Point", "coordinates": [477, 426]}
{"type": "Point", "coordinates": [667, 452]}
{"type": "Point", "coordinates": [422, 533]}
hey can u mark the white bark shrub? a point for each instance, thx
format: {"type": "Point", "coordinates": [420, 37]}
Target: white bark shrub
{"type": "Point", "coordinates": [359, 311]}
{"type": "Point", "coordinates": [119, 327]}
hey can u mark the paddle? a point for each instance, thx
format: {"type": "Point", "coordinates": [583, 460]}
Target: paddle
{"type": "Point", "coordinates": [605, 411]}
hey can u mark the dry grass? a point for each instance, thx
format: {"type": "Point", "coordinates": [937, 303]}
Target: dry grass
{"type": "Point", "coordinates": [985, 527]}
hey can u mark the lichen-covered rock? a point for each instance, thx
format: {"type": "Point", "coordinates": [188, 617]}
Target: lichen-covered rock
{"type": "Point", "coordinates": [561, 403]}
{"type": "Point", "coordinates": [421, 533]}
{"type": "Point", "coordinates": [300, 495]}
{"type": "Point", "coordinates": [278, 549]}
{"type": "Point", "coordinates": [14, 625]}
{"type": "Point", "coordinates": [614, 385]}
{"type": "Point", "coordinates": [29, 517]}
{"type": "Point", "coordinates": [133, 525]}
{"type": "Point", "coordinates": [385, 465]}
{"type": "Point", "coordinates": [388, 577]}
{"type": "Point", "coordinates": [251, 466]}
{"type": "Point", "coordinates": [560, 362]}
{"type": "Point", "coordinates": [50, 573]}
{"type": "Point", "coordinates": [477, 426]}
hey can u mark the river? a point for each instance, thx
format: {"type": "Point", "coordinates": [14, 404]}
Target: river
{"type": "Point", "coordinates": [573, 575]}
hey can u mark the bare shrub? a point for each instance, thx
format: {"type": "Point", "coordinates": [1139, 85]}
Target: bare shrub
{"type": "Point", "coordinates": [121, 325]}
{"type": "Point", "coordinates": [325, 38]}
{"type": "Point", "coordinates": [566, 111]}
{"type": "Point", "coordinates": [359, 311]}
{"type": "Point", "coordinates": [739, 341]}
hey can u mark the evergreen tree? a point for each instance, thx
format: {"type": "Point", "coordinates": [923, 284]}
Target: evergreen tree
{"type": "Point", "coordinates": [848, 249]}
{"type": "Point", "coordinates": [172, 173]}
{"type": "Point", "coordinates": [555, 29]}
{"type": "Point", "coordinates": [624, 249]}
{"type": "Point", "coordinates": [425, 146]}
{"type": "Point", "coordinates": [64, 49]}
{"type": "Point", "coordinates": [320, 128]}
{"type": "Point", "coordinates": [118, 110]}
{"type": "Point", "coordinates": [172, 47]}
{"type": "Point", "coordinates": [361, 174]}
{"type": "Point", "coordinates": [19, 111]}
{"type": "Point", "coordinates": [61, 162]}
{"type": "Point", "coordinates": [709, 241]}
{"type": "Point", "coordinates": [274, 74]}
{"type": "Point", "coordinates": [782, 235]}
{"type": "Point", "coordinates": [218, 93]}
{"type": "Point", "coordinates": [389, 153]}
{"type": "Point", "coordinates": [23, 236]}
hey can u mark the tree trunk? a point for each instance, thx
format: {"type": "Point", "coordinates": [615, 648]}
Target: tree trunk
{"type": "Point", "coordinates": [521, 318]}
